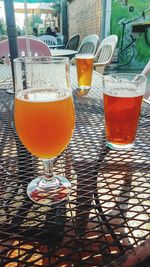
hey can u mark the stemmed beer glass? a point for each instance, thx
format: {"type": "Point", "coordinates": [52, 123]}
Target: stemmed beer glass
{"type": "Point", "coordinates": [44, 119]}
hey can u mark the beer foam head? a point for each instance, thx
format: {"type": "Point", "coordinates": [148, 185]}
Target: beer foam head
{"type": "Point", "coordinates": [43, 95]}
{"type": "Point", "coordinates": [84, 56]}
{"type": "Point", "coordinates": [124, 84]}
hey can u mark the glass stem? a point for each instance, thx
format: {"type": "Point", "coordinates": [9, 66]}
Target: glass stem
{"type": "Point", "coordinates": [48, 168]}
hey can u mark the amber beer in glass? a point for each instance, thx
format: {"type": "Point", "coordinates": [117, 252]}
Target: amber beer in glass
{"type": "Point", "coordinates": [84, 65]}
{"type": "Point", "coordinates": [123, 94]}
{"type": "Point", "coordinates": [44, 127]}
{"type": "Point", "coordinates": [44, 119]}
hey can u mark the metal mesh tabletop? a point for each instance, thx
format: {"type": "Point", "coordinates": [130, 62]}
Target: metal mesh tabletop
{"type": "Point", "coordinates": [105, 221]}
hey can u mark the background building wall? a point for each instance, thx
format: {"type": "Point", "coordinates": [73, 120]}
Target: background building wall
{"type": "Point", "coordinates": [84, 17]}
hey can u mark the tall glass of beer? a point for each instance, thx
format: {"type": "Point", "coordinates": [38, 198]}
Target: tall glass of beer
{"type": "Point", "coordinates": [123, 94]}
{"type": "Point", "coordinates": [44, 119]}
{"type": "Point", "coordinates": [84, 65]}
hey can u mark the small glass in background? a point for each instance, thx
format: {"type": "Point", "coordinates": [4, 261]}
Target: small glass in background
{"type": "Point", "coordinates": [84, 65]}
{"type": "Point", "coordinates": [123, 95]}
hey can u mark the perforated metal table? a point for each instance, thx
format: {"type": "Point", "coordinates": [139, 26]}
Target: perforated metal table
{"type": "Point", "coordinates": [106, 220]}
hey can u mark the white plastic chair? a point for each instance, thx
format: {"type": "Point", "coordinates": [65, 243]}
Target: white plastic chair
{"type": "Point", "coordinates": [89, 44]}
{"type": "Point", "coordinates": [60, 38]}
{"type": "Point", "coordinates": [105, 53]}
{"type": "Point", "coordinates": [37, 48]}
{"type": "Point", "coordinates": [73, 42]}
{"type": "Point", "coordinates": [48, 39]}
{"type": "Point", "coordinates": [3, 37]}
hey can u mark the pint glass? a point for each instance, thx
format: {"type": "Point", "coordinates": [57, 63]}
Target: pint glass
{"type": "Point", "coordinates": [123, 94]}
{"type": "Point", "coordinates": [84, 64]}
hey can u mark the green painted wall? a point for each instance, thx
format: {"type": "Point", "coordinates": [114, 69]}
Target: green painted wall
{"type": "Point", "coordinates": [133, 11]}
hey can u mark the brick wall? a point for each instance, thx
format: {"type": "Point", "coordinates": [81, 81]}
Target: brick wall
{"type": "Point", "coordinates": [84, 17]}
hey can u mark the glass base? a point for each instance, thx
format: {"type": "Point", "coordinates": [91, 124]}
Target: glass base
{"type": "Point", "coordinates": [119, 147]}
{"type": "Point", "coordinates": [49, 192]}
{"type": "Point", "coordinates": [83, 90]}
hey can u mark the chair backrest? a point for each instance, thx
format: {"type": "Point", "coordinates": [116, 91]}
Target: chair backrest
{"type": "Point", "coordinates": [48, 39]}
{"type": "Point", "coordinates": [105, 52]}
{"type": "Point", "coordinates": [73, 42]}
{"type": "Point", "coordinates": [89, 44]}
{"type": "Point", "coordinates": [37, 48]}
{"type": "Point", "coordinates": [3, 37]}
{"type": "Point", "coordinates": [60, 38]}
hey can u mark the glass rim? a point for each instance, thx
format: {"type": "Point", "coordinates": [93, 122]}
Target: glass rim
{"type": "Point", "coordinates": [128, 75]}
{"type": "Point", "coordinates": [39, 59]}
{"type": "Point", "coordinates": [84, 56]}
